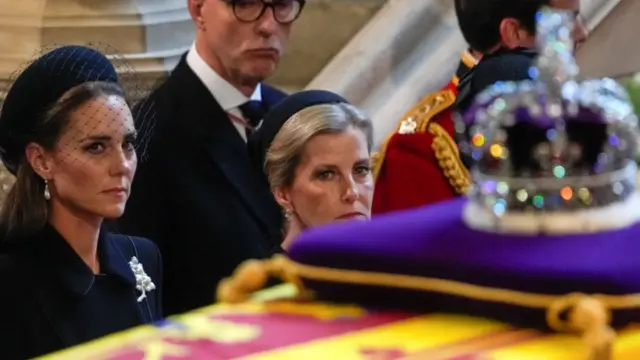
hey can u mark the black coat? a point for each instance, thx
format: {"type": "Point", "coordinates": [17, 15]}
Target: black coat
{"type": "Point", "coordinates": [51, 299]}
{"type": "Point", "coordinates": [502, 65]}
{"type": "Point", "coordinates": [196, 192]}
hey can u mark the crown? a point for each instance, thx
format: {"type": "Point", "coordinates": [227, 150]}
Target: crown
{"type": "Point", "coordinates": [551, 144]}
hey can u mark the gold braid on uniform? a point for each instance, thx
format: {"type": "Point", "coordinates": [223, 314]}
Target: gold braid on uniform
{"type": "Point", "coordinates": [586, 314]}
{"type": "Point", "coordinates": [445, 149]}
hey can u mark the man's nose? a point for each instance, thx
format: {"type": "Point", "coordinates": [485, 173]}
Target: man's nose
{"type": "Point", "coordinates": [267, 23]}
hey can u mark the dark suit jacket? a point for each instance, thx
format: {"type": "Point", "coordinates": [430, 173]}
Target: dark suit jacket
{"type": "Point", "coordinates": [196, 192]}
{"type": "Point", "coordinates": [51, 300]}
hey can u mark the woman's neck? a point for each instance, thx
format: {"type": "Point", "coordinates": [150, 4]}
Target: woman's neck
{"type": "Point", "coordinates": [294, 228]}
{"type": "Point", "coordinates": [81, 233]}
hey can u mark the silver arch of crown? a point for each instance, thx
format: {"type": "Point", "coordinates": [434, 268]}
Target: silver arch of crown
{"type": "Point", "coordinates": [560, 178]}
{"type": "Point", "coordinates": [556, 64]}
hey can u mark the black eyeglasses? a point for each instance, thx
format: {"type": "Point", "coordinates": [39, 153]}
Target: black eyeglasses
{"type": "Point", "coordinates": [284, 11]}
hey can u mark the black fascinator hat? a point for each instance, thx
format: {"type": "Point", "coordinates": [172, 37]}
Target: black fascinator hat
{"type": "Point", "coordinates": [278, 115]}
{"type": "Point", "coordinates": [38, 87]}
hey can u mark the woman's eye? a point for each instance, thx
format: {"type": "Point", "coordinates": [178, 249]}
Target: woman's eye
{"type": "Point", "coordinates": [95, 148]}
{"type": "Point", "coordinates": [129, 145]}
{"type": "Point", "coordinates": [363, 170]}
{"type": "Point", "coordinates": [325, 174]}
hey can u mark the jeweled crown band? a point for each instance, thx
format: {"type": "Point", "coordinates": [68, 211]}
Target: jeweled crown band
{"type": "Point", "coordinates": [503, 195]}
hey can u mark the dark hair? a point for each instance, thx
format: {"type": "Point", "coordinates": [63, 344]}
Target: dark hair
{"type": "Point", "coordinates": [479, 20]}
{"type": "Point", "coordinates": [25, 209]}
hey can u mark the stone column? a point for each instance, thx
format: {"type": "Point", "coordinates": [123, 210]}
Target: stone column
{"type": "Point", "coordinates": [149, 35]}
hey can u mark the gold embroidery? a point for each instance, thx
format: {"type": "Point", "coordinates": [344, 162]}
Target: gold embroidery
{"type": "Point", "coordinates": [199, 327]}
{"type": "Point", "coordinates": [421, 114]}
{"type": "Point", "coordinates": [159, 349]}
{"type": "Point", "coordinates": [318, 311]}
{"type": "Point", "coordinates": [448, 156]}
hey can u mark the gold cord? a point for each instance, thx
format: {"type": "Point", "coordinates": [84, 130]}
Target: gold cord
{"type": "Point", "coordinates": [588, 315]}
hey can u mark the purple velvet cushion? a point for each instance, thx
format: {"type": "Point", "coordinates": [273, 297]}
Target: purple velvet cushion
{"type": "Point", "coordinates": [434, 242]}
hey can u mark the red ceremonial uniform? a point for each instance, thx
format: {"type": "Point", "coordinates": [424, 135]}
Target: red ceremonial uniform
{"type": "Point", "coordinates": [419, 164]}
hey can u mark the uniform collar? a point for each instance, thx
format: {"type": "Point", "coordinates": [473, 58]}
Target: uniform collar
{"type": "Point", "coordinates": [69, 268]}
{"type": "Point", "coordinates": [467, 62]}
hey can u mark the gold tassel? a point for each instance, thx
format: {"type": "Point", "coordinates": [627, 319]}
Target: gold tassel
{"type": "Point", "coordinates": [591, 317]}
{"type": "Point", "coordinates": [252, 275]}
{"type": "Point", "coordinates": [588, 316]}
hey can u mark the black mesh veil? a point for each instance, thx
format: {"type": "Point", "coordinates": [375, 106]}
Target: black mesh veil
{"type": "Point", "coordinates": [38, 92]}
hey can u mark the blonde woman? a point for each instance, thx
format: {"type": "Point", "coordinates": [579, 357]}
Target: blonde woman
{"type": "Point", "coordinates": [314, 149]}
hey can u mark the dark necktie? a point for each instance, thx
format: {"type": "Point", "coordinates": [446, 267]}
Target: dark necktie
{"type": "Point", "coordinates": [253, 111]}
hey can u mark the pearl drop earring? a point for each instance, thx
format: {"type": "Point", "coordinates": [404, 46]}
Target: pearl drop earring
{"type": "Point", "coordinates": [47, 194]}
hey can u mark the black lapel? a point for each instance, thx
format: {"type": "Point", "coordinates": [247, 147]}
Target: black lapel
{"type": "Point", "coordinates": [205, 120]}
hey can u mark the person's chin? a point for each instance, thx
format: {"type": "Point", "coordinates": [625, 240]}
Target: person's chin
{"type": "Point", "coordinates": [263, 68]}
{"type": "Point", "coordinates": [114, 211]}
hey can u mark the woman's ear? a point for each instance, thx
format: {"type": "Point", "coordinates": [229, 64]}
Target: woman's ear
{"type": "Point", "coordinates": [283, 197]}
{"type": "Point", "coordinates": [39, 161]}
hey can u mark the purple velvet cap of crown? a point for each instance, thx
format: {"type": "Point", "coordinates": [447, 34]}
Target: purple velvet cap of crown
{"type": "Point", "coordinates": [434, 242]}
{"type": "Point", "coordinates": [523, 112]}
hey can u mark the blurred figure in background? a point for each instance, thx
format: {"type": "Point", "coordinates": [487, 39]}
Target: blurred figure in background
{"type": "Point", "coordinates": [505, 31]}
{"type": "Point", "coordinates": [419, 164]}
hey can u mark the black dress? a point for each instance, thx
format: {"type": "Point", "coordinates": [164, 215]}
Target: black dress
{"type": "Point", "coordinates": [50, 299]}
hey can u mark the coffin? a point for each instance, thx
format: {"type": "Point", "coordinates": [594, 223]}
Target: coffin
{"type": "Point", "coordinates": [274, 326]}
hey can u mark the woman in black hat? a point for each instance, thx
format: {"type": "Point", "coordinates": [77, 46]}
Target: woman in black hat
{"type": "Point", "coordinates": [67, 134]}
{"type": "Point", "coordinates": [314, 148]}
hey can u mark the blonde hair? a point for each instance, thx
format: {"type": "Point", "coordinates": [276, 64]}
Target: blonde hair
{"type": "Point", "coordinates": [283, 155]}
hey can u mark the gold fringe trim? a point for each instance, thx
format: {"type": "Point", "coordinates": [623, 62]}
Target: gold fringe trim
{"type": "Point", "coordinates": [446, 151]}
{"type": "Point", "coordinates": [588, 314]}
{"type": "Point", "coordinates": [426, 109]}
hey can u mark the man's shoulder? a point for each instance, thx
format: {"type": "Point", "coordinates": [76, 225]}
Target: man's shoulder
{"type": "Point", "coordinates": [509, 66]}
{"type": "Point", "coordinates": [505, 66]}
{"type": "Point", "coordinates": [416, 123]}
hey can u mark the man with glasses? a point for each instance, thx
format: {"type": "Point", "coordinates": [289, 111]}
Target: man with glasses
{"type": "Point", "coordinates": [196, 192]}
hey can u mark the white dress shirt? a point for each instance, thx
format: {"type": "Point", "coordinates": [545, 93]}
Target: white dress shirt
{"type": "Point", "coordinates": [226, 94]}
